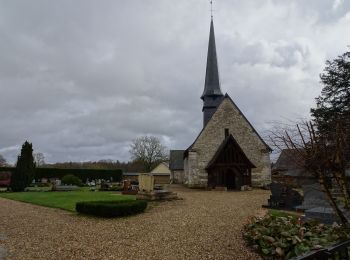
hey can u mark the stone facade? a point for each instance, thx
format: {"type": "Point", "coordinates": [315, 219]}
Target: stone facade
{"type": "Point", "coordinates": [177, 176]}
{"type": "Point", "coordinates": [227, 116]}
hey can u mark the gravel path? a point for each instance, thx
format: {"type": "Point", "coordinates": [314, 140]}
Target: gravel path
{"type": "Point", "coordinates": [204, 225]}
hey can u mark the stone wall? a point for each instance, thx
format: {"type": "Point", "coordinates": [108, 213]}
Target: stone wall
{"type": "Point", "coordinates": [227, 116]}
{"type": "Point", "coordinates": [178, 176]}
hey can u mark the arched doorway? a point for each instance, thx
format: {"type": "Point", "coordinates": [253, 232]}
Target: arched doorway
{"type": "Point", "coordinates": [229, 167]}
{"type": "Point", "coordinates": [230, 179]}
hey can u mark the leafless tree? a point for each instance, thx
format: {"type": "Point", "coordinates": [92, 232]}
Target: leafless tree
{"type": "Point", "coordinates": [148, 150]}
{"type": "Point", "coordinates": [39, 159]}
{"type": "Point", "coordinates": [324, 157]}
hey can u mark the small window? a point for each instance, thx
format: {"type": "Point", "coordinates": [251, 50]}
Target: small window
{"type": "Point", "coordinates": [226, 132]}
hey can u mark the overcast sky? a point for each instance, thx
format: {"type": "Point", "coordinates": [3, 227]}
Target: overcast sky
{"type": "Point", "coordinates": [81, 79]}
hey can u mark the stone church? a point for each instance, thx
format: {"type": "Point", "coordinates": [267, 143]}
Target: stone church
{"type": "Point", "coordinates": [228, 152]}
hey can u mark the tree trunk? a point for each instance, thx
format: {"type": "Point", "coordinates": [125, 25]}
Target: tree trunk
{"type": "Point", "coordinates": [334, 205]}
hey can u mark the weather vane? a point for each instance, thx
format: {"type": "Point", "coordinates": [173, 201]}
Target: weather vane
{"type": "Point", "coordinates": [211, 9]}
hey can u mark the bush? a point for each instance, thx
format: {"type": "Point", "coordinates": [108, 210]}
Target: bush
{"type": "Point", "coordinates": [284, 237]}
{"type": "Point", "coordinates": [72, 180]}
{"type": "Point", "coordinates": [110, 187]}
{"type": "Point", "coordinates": [116, 188]}
{"type": "Point", "coordinates": [111, 208]}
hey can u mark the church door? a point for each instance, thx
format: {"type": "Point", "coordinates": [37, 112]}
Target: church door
{"type": "Point", "coordinates": [229, 167]}
{"type": "Point", "coordinates": [230, 179]}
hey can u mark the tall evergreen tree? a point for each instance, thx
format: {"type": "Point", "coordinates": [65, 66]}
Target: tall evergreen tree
{"type": "Point", "coordinates": [25, 167]}
{"type": "Point", "coordinates": [333, 105]}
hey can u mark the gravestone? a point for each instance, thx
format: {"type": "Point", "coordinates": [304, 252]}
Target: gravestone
{"type": "Point", "coordinates": [146, 182]}
{"type": "Point", "coordinates": [314, 197]}
{"type": "Point", "coordinates": [316, 205]}
{"type": "Point", "coordinates": [129, 189]}
{"type": "Point", "coordinates": [283, 197]}
{"type": "Point", "coordinates": [323, 214]}
{"type": "Point", "coordinates": [149, 192]}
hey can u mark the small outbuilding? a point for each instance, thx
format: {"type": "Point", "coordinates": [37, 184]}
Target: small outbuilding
{"type": "Point", "coordinates": [176, 166]}
{"type": "Point", "coordinates": [161, 173]}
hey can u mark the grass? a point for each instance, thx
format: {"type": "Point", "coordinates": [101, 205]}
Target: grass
{"type": "Point", "coordinates": [283, 213]}
{"type": "Point", "coordinates": [64, 199]}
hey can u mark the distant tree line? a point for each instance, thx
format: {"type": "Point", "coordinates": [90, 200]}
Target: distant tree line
{"type": "Point", "coordinates": [132, 166]}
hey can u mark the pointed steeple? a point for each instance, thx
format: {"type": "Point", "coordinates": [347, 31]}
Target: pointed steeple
{"type": "Point", "coordinates": [212, 83]}
{"type": "Point", "coordinates": [212, 94]}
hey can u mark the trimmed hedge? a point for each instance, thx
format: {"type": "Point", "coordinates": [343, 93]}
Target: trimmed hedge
{"type": "Point", "coordinates": [110, 209]}
{"type": "Point", "coordinates": [72, 180]}
{"type": "Point", "coordinates": [82, 174]}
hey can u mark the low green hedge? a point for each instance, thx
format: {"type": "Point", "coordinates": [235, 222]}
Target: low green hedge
{"type": "Point", "coordinates": [72, 180]}
{"type": "Point", "coordinates": [111, 208]}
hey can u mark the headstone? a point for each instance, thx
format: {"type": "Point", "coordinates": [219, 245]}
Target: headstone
{"type": "Point", "coordinates": [129, 189]}
{"type": "Point", "coordinates": [283, 197]}
{"type": "Point", "coordinates": [146, 182]}
{"type": "Point", "coordinates": [316, 205]}
{"type": "Point", "coordinates": [314, 197]}
{"type": "Point", "coordinates": [150, 192]}
{"type": "Point", "coordinates": [126, 185]}
{"type": "Point", "coordinates": [323, 214]}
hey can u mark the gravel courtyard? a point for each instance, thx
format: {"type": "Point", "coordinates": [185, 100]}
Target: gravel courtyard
{"type": "Point", "coordinates": [204, 225]}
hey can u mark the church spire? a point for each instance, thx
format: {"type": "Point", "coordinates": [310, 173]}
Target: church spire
{"type": "Point", "coordinates": [212, 95]}
{"type": "Point", "coordinates": [212, 83]}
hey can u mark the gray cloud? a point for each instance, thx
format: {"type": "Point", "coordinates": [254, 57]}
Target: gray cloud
{"type": "Point", "coordinates": [81, 79]}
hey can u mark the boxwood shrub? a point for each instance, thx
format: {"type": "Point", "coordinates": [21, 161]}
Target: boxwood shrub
{"type": "Point", "coordinates": [110, 209]}
{"type": "Point", "coordinates": [72, 180]}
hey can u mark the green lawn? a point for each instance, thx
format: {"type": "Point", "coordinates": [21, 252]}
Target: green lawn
{"type": "Point", "coordinates": [284, 213]}
{"type": "Point", "coordinates": [64, 199]}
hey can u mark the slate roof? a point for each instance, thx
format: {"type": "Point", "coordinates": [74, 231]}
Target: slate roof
{"type": "Point", "coordinates": [240, 112]}
{"type": "Point", "coordinates": [288, 159]}
{"type": "Point", "coordinates": [176, 160]}
{"type": "Point", "coordinates": [212, 83]}
{"type": "Point", "coordinates": [290, 163]}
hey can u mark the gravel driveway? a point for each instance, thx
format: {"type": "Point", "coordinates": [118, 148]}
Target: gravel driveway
{"type": "Point", "coordinates": [204, 225]}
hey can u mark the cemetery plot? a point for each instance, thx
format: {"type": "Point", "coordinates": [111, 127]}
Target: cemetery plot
{"type": "Point", "coordinates": [64, 200]}
{"type": "Point", "coordinates": [283, 197]}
